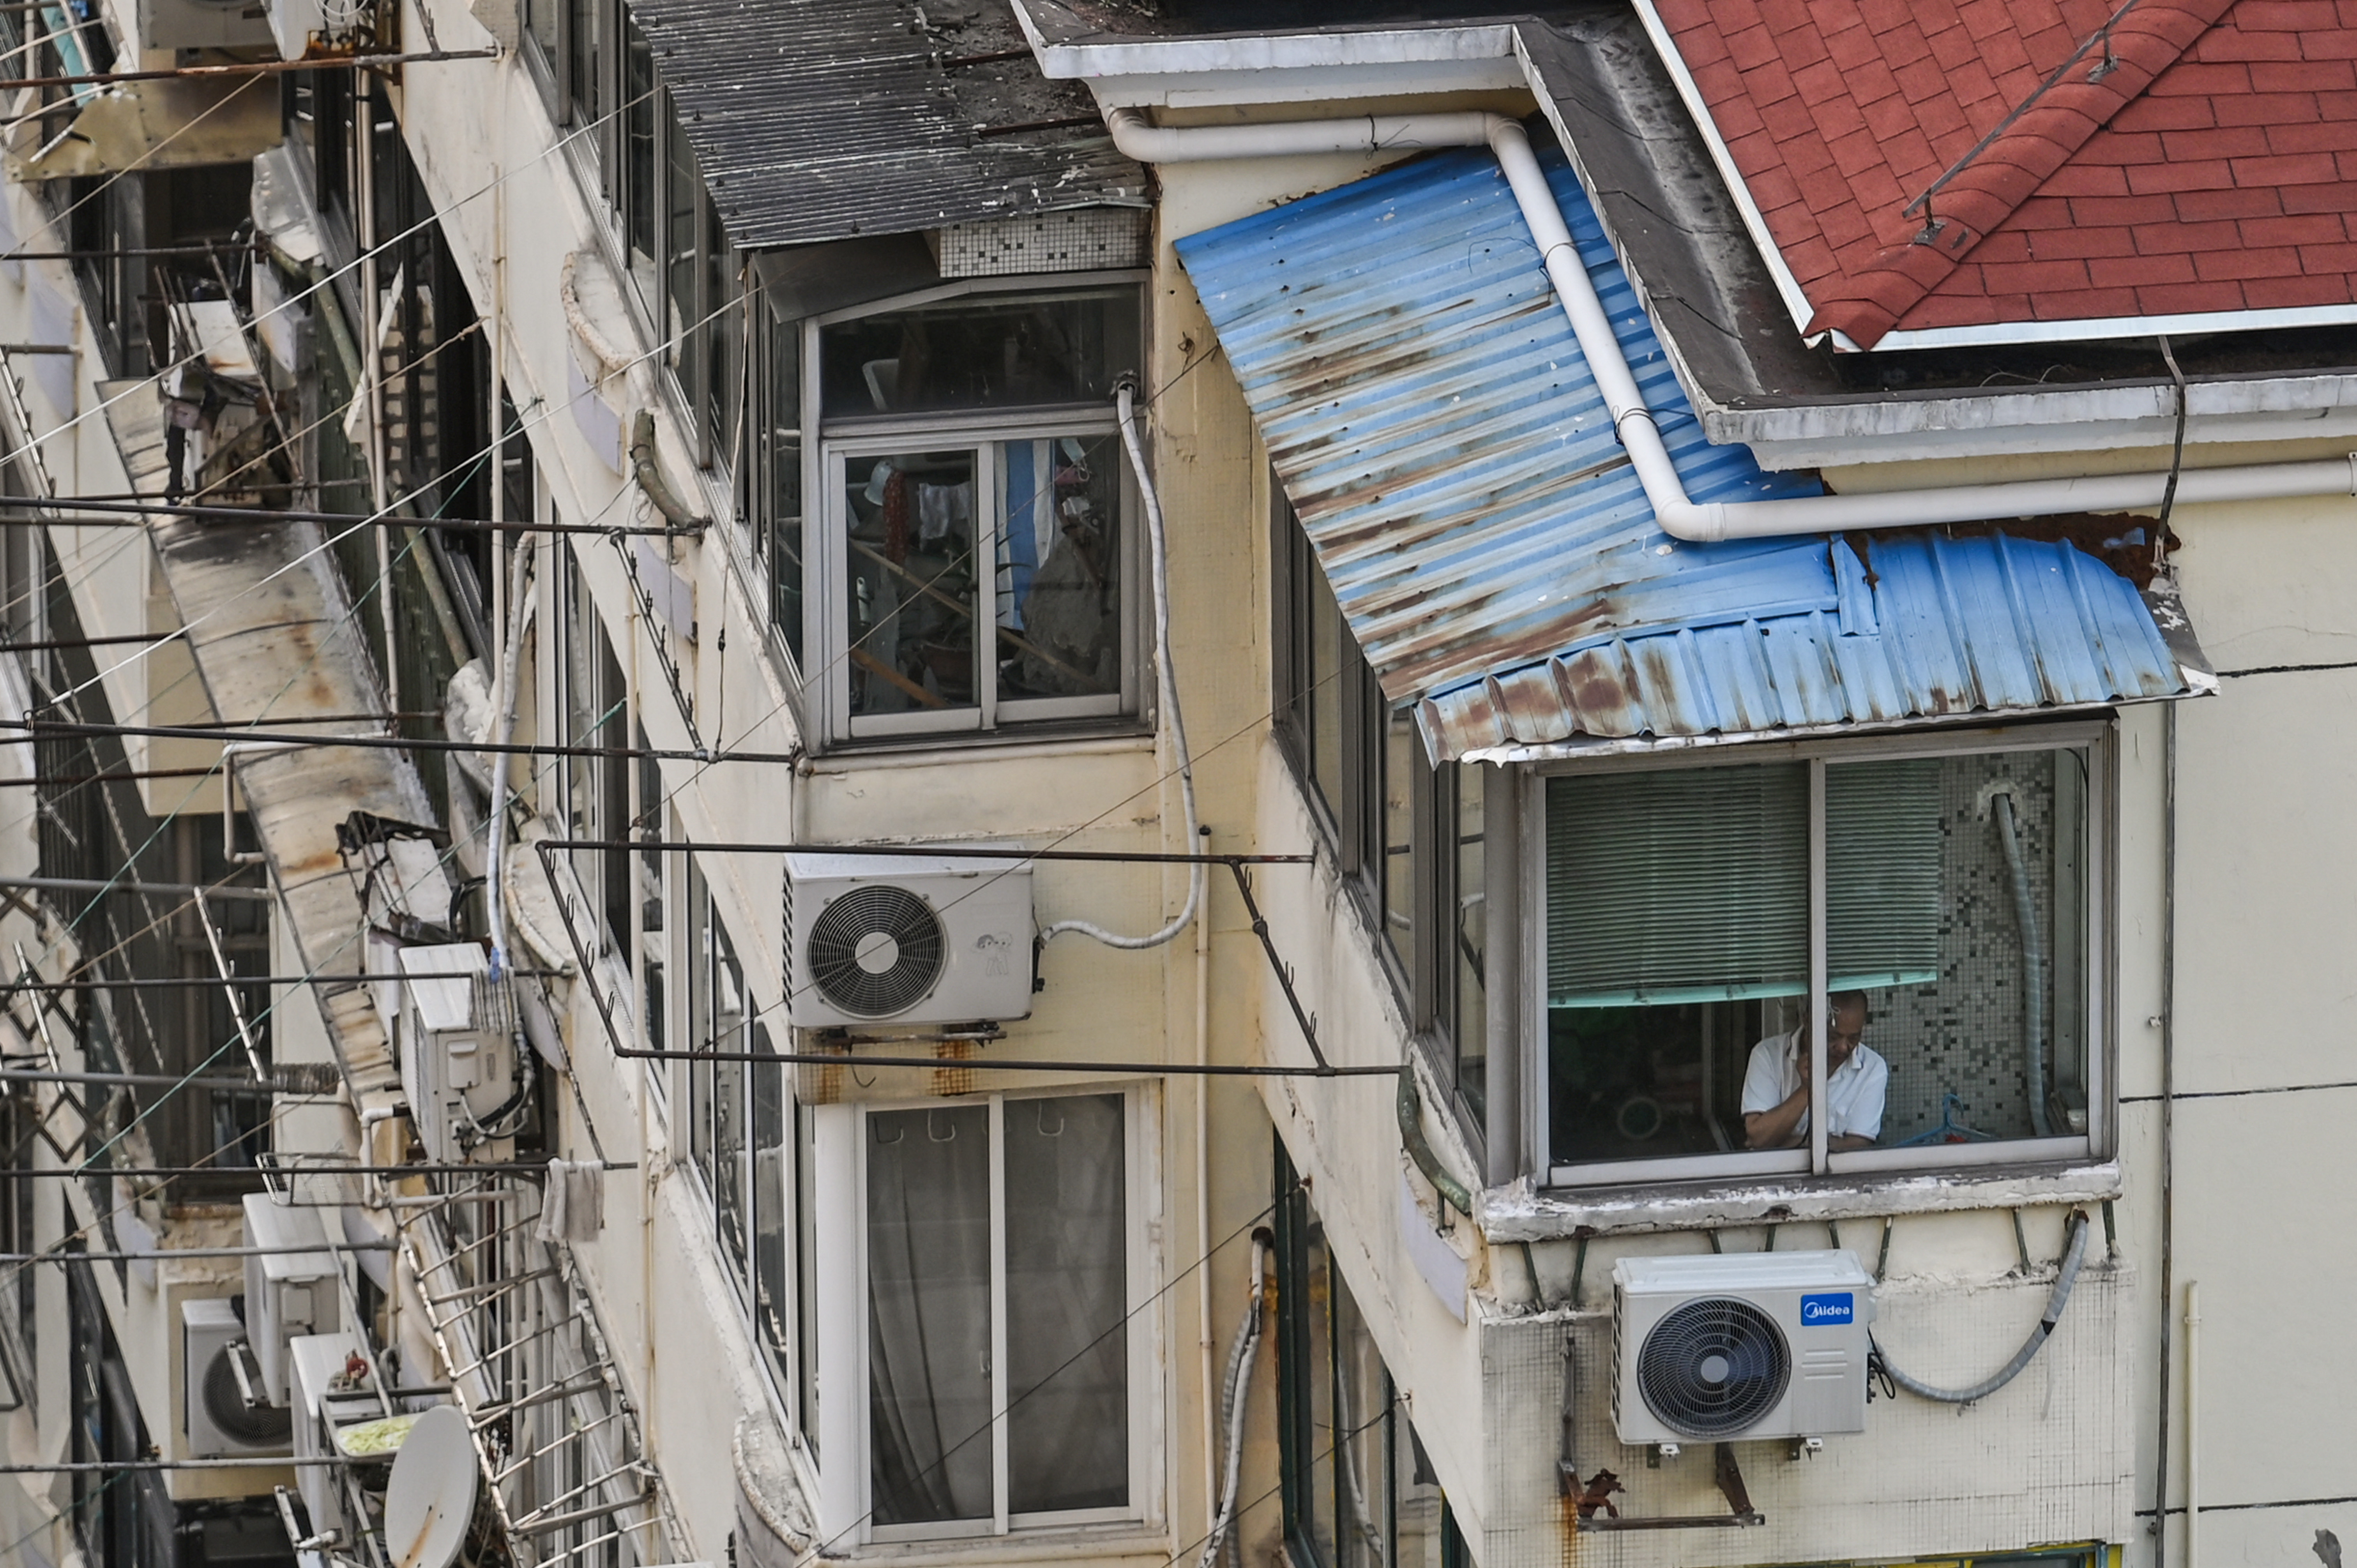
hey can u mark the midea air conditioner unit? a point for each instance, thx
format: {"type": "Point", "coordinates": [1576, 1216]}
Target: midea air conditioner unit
{"type": "Point", "coordinates": [876, 939]}
{"type": "Point", "coordinates": [220, 1424]}
{"type": "Point", "coordinates": [458, 1054]}
{"type": "Point", "coordinates": [290, 1289]}
{"type": "Point", "coordinates": [1745, 1345]}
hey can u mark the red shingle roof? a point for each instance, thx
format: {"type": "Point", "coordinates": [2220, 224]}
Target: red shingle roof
{"type": "Point", "coordinates": [2210, 164]}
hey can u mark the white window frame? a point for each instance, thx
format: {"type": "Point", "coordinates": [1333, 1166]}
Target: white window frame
{"type": "Point", "coordinates": [828, 443]}
{"type": "Point", "coordinates": [829, 555]}
{"type": "Point", "coordinates": [740, 1270]}
{"type": "Point", "coordinates": [2099, 740]}
{"type": "Point", "coordinates": [844, 1325]}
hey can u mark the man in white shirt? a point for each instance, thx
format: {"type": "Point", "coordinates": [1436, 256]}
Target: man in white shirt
{"type": "Point", "coordinates": [1776, 1084]}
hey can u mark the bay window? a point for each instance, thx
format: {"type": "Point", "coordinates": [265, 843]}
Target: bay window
{"type": "Point", "coordinates": [1407, 836]}
{"type": "Point", "coordinates": [750, 1144]}
{"type": "Point", "coordinates": [1357, 1488]}
{"type": "Point", "coordinates": [1004, 1374]}
{"type": "Point", "coordinates": [592, 704]}
{"type": "Point", "coordinates": [770, 474]}
{"type": "Point", "coordinates": [977, 569]}
{"type": "Point", "coordinates": [651, 883]}
{"type": "Point", "coordinates": [1938, 898]}
{"type": "Point", "coordinates": [597, 75]}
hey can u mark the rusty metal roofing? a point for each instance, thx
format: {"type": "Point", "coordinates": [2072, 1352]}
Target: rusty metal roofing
{"type": "Point", "coordinates": [814, 122]}
{"type": "Point", "coordinates": [1437, 428]}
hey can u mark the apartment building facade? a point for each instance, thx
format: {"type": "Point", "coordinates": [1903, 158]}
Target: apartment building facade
{"type": "Point", "coordinates": [1032, 782]}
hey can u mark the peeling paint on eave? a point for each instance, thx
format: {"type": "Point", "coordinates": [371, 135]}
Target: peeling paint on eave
{"type": "Point", "coordinates": [1522, 1211]}
{"type": "Point", "coordinates": [1266, 51]}
{"type": "Point", "coordinates": [2201, 683]}
{"type": "Point", "coordinates": [2007, 419]}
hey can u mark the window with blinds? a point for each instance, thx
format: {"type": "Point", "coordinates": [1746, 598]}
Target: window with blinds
{"type": "Point", "coordinates": [1957, 894]}
{"type": "Point", "coordinates": [1677, 886]}
{"type": "Point", "coordinates": [1883, 861]}
{"type": "Point", "coordinates": [1673, 888]}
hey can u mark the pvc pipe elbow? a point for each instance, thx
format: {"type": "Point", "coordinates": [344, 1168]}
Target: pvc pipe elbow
{"type": "Point", "coordinates": [1694, 522]}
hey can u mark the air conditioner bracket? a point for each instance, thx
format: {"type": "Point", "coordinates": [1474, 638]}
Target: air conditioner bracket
{"type": "Point", "coordinates": [1729, 1475]}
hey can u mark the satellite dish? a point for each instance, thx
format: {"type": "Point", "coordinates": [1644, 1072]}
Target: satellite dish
{"type": "Point", "coordinates": [430, 1498]}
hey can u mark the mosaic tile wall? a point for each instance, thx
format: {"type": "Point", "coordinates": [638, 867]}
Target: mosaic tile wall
{"type": "Point", "coordinates": [1964, 1035]}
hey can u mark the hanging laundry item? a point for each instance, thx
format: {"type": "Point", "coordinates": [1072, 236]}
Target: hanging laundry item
{"type": "Point", "coordinates": [944, 512]}
{"type": "Point", "coordinates": [573, 1207]}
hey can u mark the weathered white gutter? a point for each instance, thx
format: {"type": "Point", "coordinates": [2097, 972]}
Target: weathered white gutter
{"type": "Point", "coordinates": [1681, 518]}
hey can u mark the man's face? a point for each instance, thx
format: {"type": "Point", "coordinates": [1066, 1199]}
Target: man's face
{"type": "Point", "coordinates": [1844, 1028]}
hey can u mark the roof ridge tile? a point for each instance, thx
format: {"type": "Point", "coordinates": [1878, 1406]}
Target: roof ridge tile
{"type": "Point", "coordinates": [2146, 42]}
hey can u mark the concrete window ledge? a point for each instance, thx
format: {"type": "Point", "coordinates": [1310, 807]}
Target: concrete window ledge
{"type": "Point", "coordinates": [1104, 1544]}
{"type": "Point", "coordinates": [773, 1516]}
{"type": "Point", "coordinates": [1526, 1212]}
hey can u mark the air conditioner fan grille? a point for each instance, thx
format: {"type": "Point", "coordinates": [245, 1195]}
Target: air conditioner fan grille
{"type": "Point", "coordinates": [1713, 1367]}
{"type": "Point", "coordinates": [268, 1427]}
{"type": "Point", "coordinates": [876, 951]}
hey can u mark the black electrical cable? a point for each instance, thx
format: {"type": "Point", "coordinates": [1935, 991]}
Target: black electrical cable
{"type": "Point", "coordinates": [272, 514]}
{"type": "Point", "coordinates": [2065, 1277]}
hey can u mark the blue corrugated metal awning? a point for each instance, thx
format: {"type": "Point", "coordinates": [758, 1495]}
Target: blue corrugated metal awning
{"type": "Point", "coordinates": [1436, 426]}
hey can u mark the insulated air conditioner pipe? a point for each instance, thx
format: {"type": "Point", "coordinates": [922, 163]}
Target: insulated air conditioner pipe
{"type": "Point", "coordinates": [1997, 799]}
{"type": "Point", "coordinates": [1165, 682]}
{"type": "Point", "coordinates": [1237, 1389]}
{"type": "Point", "coordinates": [1681, 518]}
{"type": "Point", "coordinates": [2065, 1278]}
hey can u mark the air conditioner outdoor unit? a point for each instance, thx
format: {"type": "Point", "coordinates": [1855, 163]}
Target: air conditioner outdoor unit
{"type": "Point", "coordinates": [326, 1400]}
{"type": "Point", "coordinates": [294, 23]}
{"type": "Point", "coordinates": [202, 24]}
{"type": "Point", "coordinates": [458, 1054]}
{"type": "Point", "coordinates": [1746, 1345]}
{"type": "Point", "coordinates": [221, 1423]}
{"type": "Point", "coordinates": [874, 938]}
{"type": "Point", "coordinates": [290, 1290]}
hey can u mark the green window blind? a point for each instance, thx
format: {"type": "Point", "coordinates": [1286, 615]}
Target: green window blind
{"type": "Point", "coordinates": [1677, 886]}
{"type": "Point", "coordinates": [1690, 886]}
{"type": "Point", "coordinates": [1883, 838]}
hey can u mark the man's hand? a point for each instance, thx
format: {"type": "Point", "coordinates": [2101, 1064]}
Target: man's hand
{"type": "Point", "coordinates": [1778, 1128]}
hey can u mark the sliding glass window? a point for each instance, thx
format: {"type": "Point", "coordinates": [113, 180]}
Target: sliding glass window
{"type": "Point", "coordinates": [1001, 1271]}
{"type": "Point", "coordinates": [1942, 903]}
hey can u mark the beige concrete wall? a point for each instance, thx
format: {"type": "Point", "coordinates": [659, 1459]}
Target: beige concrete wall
{"type": "Point", "coordinates": [2065, 1454]}
{"type": "Point", "coordinates": [676, 1329]}
{"type": "Point", "coordinates": [2265, 907]}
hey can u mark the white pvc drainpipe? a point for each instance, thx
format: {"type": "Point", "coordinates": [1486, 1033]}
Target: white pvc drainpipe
{"type": "Point", "coordinates": [1703, 521]}
{"type": "Point", "coordinates": [2192, 1425]}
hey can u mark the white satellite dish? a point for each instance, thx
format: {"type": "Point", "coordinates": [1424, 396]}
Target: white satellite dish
{"type": "Point", "coordinates": [431, 1496]}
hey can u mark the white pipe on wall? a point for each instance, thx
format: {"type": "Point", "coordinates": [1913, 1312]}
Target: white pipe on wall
{"type": "Point", "coordinates": [1165, 674]}
{"type": "Point", "coordinates": [1207, 1351]}
{"type": "Point", "coordinates": [2192, 1423]}
{"type": "Point", "coordinates": [1679, 516]}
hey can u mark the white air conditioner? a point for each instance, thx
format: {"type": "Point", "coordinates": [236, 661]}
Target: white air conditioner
{"type": "Point", "coordinates": [290, 1290]}
{"type": "Point", "coordinates": [326, 1399]}
{"type": "Point", "coordinates": [202, 24]}
{"type": "Point", "coordinates": [458, 1054]}
{"type": "Point", "coordinates": [876, 939]}
{"type": "Point", "coordinates": [221, 1423]}
{"type": "Point", "coordinates": [294, 23]}
{"type": "Point", "coordinates": [1745, 1345]}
